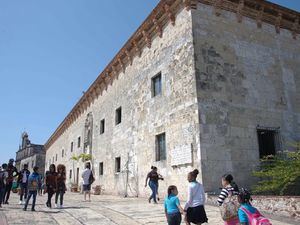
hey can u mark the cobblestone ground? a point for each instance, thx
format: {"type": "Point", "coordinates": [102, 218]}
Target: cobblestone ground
{"type": "Point", "coordinates": [102, 210]}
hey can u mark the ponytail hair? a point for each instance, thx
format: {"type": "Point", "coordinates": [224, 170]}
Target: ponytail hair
{"type": "Point", "coordinates": [229, 178]}
{"type": "Point", "coordinates": [194, 174]}
{"type": "Point", "coordinates": [170, 189]}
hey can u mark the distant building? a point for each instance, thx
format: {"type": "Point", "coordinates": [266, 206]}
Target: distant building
{"type": "Point", "coordinates": [31, 154]}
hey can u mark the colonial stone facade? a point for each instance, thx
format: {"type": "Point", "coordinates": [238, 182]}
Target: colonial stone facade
{"type": "Point", "coordinates": [30, 154]}
{"type": "Point", "coordinates": [205, 84]}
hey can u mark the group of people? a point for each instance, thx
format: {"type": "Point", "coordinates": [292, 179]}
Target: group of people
{"type": "Point", "coordinates": [235, 204]}
{"type": "Point", "coordinates": [32, 184]}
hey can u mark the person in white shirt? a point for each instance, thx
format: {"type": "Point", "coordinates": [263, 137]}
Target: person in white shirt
{"type": "Point", "coordinates": [194, 207]}
{"type": "Point", "coordinates": [87, 176]}
{"type": "Point", "coordinates": [23, 182]}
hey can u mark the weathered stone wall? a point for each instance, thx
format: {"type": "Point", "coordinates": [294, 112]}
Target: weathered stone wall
{"type": "Point", "coordinates": [35, 160]}
{"type": "Point", "coordinates": [174, 112]}
{"type": "Point", "coordinates": [286, 206]}
{"type": "Point", "coordinates": [245, 77]}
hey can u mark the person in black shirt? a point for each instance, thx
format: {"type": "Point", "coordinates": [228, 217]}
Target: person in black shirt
{"type": "Point", "coordinates": [153, 178]}
{"type": "Point", "coordinates": [12, 172]}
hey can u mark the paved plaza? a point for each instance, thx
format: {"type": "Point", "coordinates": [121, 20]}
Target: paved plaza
{"type": "Point", "coordinates": [102, 210]}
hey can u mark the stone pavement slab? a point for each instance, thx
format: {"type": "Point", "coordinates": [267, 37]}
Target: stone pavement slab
{"type": "Point", "coordinates": [103, 210]}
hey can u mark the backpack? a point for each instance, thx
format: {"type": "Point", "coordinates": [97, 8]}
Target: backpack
{"type": "Point", "coordinates": [91, 178]}
{"type": "Point", "coordinates": [256, 218]}
{"type": "Point", "coordinates": [229, 208]}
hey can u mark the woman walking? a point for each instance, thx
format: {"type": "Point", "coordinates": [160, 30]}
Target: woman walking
{"type": "Point", "coordinates": [153, 178]}
{"type": "Point", "coordinates": [228, 200]}
{"type": "Point", "coordinates": [51, 183]}
{"type": "Point", "coordinates": [194, 207]}
{"type": "Point", "coordinates": [61, 185]}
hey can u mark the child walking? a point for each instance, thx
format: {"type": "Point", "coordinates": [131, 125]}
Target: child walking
{"type": "Point", "coordinates": [34, 182]}
{"type": "Point", "coordinates": [173, 210]}
{"type": "Point", "coordinates": [249, 215]}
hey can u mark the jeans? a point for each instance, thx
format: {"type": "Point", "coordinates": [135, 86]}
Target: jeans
{"type": "Point", "coordinates": [33, 194]}
{"type": "Point", "coordinates": [8, 187]}
{"type": "Point", "coordinates": [61, 194]}
{"type": "Point", "coordinates": [153, 187]}
{"type": "Point", "coordinates": [2, 191]}
{"type": "Point", "coordinates": [174, 218]}
{"type": "Point", "coordinates": [24, 191]}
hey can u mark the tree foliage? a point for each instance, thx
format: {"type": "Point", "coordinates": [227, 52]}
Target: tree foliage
{"type": "Point", "coordinates": [279, 174]}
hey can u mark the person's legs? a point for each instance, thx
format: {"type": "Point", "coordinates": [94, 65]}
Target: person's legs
{"type": "Point", "coordinates": [25, 190]}
{"type": "Point", "coordinates": [56, 197]}
{"type": "Point", "coordinates": [153, 189]}
{"type": "Point", "coordinates": [34, 194]}
{"type": "Point", "coordinates": [2, 190]}
{"type": "Point", "coordinates": [7, 194]}
{"type": "Point", "coordinates": [61, 198]}
{"type": "Point", "coordinates": [27, 200]}
{"type": "Point", "coordinates": [21, 192]}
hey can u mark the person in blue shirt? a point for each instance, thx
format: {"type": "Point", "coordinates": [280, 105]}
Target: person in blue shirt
{"type": "Point", "coordinates": [245, 199]}
{"type": "Point", "coordinates": [173, 210]}
{"type": "Point", "coordinates": [34, 182]}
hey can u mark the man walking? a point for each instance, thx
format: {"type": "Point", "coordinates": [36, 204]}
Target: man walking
{"type": "Point", "coordinates": [88, 179]}
{"type": "Point", "coordinates": [34, 182]}
{"type": "Point", "coordinates": [12, 172]}
{"type": "Point", "coordinates": [23, 182]}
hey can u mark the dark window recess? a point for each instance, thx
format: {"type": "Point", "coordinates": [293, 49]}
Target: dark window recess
{"type": "Point", "coordinates": [160, 147]}
{"type": "Point", "coordinates": [118, 115]}
{"type": "Point", "coordinates": [268, 140]}
{"type": "Point", "coordinates": [72, 146]}
{"type": "Point", "coordinates": [56, 158]}
{"type": "Point", "coordinates": [102, 126]}
{"type": "Point", "coordinates": [78, 142]}
{"type": "Point", "coordinates": [62, 153]}
{"type": "Point", "coordinates": [118, 164]}
{"type": "Point", "coordinates": [70, 175]}
{"type": "Point", "coordinates": [101, 168]}
{"type": "Point", "coordinates": [156, 85]}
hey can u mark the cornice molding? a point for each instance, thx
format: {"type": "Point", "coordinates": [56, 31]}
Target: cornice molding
{"type": "Point", "coordinates": [164, 13]}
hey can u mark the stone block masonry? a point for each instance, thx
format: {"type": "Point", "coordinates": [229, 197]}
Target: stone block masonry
{"type": "Point", "coordinates": [224, 74]}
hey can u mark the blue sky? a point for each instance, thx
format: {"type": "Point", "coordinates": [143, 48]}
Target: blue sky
{"type": "Point", "coordinates": [51, 51]}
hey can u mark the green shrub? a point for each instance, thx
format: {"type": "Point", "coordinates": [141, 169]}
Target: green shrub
{"type": "Point", "coordinates": [279, 174]}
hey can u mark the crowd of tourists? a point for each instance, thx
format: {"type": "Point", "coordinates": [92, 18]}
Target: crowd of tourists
{"type": "Point", "coordinates": [235, 204]}
{"type": "Point", "coordinates": [32, 184]}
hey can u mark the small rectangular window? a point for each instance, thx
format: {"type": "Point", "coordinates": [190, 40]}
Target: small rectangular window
{"type": "Point", "coordinates": [78, 142]}
{"type": "Point", "coordinates": [62, 153]}
{"type": "Point", "coordinates": [101, 168]}
{"type": "Point", "coordinates": [70, 175]}
{"type": "Point", "coordinates": [102, 126]}
{"type": "Point", "coordinates": [72, 146]}
{"type": "Point", "coordinates": [160, 147]}
{"type": "Point", "coordinates": [268, 141]}
{"type": "Point", "coordinates": [156, 85]}
{"type": "Point", "coordinates": [118, 115]}
{"type": "Point", "coordinates": [118, 164]}
{"type": "Point", "coordinates": [56, 158]}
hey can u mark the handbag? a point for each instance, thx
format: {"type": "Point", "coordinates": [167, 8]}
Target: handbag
{"type": "Point", "coordinates": [229, 208]}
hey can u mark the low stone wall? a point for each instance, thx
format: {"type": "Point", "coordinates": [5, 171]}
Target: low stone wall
{"type": "Point", "coordinates": [287, 206]}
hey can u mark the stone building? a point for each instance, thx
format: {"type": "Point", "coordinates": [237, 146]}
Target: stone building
{"type": "Point", "coordinates": [30, 154]}
{"type": "Point", "coordinates": [206, 84]}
